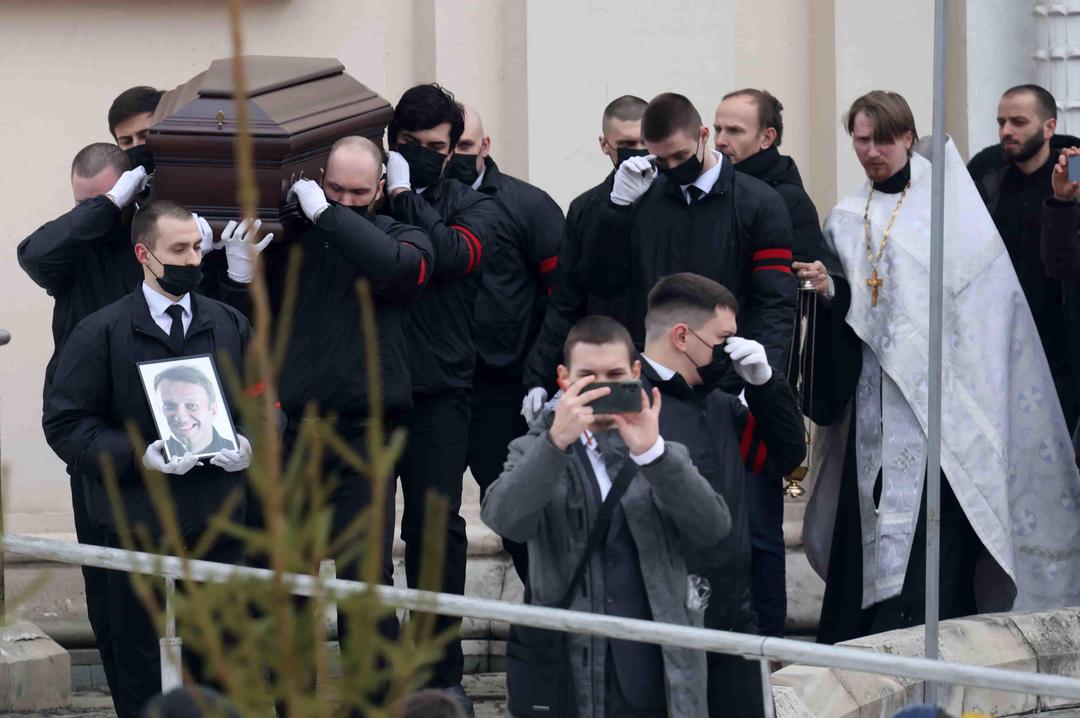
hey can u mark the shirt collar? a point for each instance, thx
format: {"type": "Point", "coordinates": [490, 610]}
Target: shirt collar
{"type": "Point", "coordinates": [706, 181]}
{"type": "Point", "coordinates": [158, 302]}
{"type": "Point", "coordinates": [661, 371]}
{"type": "Point", "coordinates": [479, 180]}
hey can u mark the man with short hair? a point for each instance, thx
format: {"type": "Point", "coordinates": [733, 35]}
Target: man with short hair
{"type": "Point", "coordinates": [130, 114]}
{"type": "Point", "coordinates": [570, 298]}
{"type": "Point", "coordinates": [558, 477]}
{"type": "Point", "coordinates": [1005, 449]}
{"type": "Point", "coordinates": [1014, 179]}
{"type": "Point", "coordinates": [684, 208]}
{"type": "Point", "coordinates": [464, 227]}
{"type": "Point", "coordinates": [509, 304]}
{"type": "Point", "coordinates": [190, 405]}
{"type": "Point", "coordinates": [96, 392]}
{"type": "Point", "coordinates": [691, 339]}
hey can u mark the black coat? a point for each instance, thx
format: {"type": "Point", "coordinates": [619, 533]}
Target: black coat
{"type": "Point", "coordinates": [570, 299]}
{"type": "Point", "coordinates": [84, 260]}
{"type": "Point", "coordinates": [96, 390]}
{"type": "Point", "coordinates": [779, 172]}
{"type": "Point", "coordinates": [463, 227]}
{"type": "Point", "coordinates": [326, 356]}
{"type": "Point", "coordinates": [725, 438]}
{"type": "Point", "coordinates": [517, 278]}
{"type": "Point", "coordinates": [739, 235]}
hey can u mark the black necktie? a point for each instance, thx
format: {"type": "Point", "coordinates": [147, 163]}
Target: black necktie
{"type": "Point", "coordinates": [176, 331]}
{"type": "Point", "coordinates": [696, 193]}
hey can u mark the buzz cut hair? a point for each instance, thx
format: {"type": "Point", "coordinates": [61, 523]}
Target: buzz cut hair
{"type": "Point", "coordinates": [598, 329]}
{"type": "Point", "coordinates": [686, 298]}
{"type": "Point", "coordinates": [889, 113]}
{"type": "Point", "coordinates": [1044, 101]}
{"type": "Point", "coordinates": [628, 108]}
{"type": "Point", "coordinates": [144, 228]}
{"type": "Point", "coordinates": [132, 101]}
{"type": "Point", "coordinates": [187, 374]}
{"type": "Point", "coordinates": [91, 160]}
{"type": "Point", "coordinates": [364, 144]}
{"type": "Point", "coordinates": [770, 111]}
{"type": "Point", "coordinates": [667, 114]}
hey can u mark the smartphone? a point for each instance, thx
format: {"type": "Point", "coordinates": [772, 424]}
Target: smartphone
{"type": "Point", "coordinates": [1074, 168]}
{"type": "Point", "coordinates": [625, 397]}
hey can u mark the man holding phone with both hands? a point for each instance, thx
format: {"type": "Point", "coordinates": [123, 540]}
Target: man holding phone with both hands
{"type": "Point", "coordinates": [607, 493]}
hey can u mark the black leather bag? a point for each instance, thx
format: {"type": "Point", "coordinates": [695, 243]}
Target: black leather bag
{"type": "Point", "coordinates": [539, 682]}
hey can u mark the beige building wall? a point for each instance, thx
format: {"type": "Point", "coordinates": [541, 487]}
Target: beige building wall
{"type": "Point", "coordinates": [539, 72]}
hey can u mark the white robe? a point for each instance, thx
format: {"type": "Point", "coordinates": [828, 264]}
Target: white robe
{"type": "Point", "coordinates": [1006, 451]}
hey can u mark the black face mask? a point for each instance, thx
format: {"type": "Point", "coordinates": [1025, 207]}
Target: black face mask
{"type": "Point", "coordinates": [463, 169]}
{"type": "Point", "coordinates": [625, 153]}
{"type": "Point", "coordinates": [140, 156]}
{"type": "Point", "coordinates": [685, 172]}
{"type": "Point", "coordinates": [425, 165]}
{"type": "Point", "coordinates": [177, 279]}
{"type": "Point", "coordinates": [712, 373]}
{"type": "Point", "coordinates": [367, 211]}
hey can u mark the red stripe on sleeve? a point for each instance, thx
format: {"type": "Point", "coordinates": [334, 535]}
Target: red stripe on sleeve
{"type": "Point", "coordinates": [548, 265]}
{"type": "Point", "coordinates": [475, 247]}
{"type": "Point", "coordinates": [423, 264]}
{"type": "Point", "coordinates": [776, 267]}
{"type": "Point", "coordinates": [759, 459]}
{"type": "Point", "coordinates": [747, 436]}
{"type": "Point", "coordinates": [771, 254]}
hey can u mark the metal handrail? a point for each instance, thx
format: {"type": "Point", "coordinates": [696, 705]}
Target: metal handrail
{"type": "Point", "coordinates": [762, 649]}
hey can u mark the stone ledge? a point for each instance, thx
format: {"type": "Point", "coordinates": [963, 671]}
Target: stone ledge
{"type": "Point", "coordinates": [1047, 641]}
{"type": "Point", "coordinates": [35, 672]}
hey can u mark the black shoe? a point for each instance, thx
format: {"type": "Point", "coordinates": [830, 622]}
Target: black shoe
{"type": "Point", "coordinates": [458, 693]}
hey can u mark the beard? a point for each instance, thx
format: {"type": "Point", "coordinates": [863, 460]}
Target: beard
{"type": "Point", "coordinates": [1025, 150]}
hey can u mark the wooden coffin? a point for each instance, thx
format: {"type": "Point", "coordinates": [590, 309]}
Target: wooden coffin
{"type": "Point", "coordinates": [297, 108]}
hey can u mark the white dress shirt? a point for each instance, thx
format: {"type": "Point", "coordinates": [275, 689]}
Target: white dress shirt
{"type": "Point", "coordinates": [661, 371]}
{"type": "Point", "coordinates": [479, 180]}
{"type": "Point", "coordinates": [158, 303]}
{"type": "Point", "coordinates": [706, 181]}
{"type": "Point", "coordinates": [603, 480]}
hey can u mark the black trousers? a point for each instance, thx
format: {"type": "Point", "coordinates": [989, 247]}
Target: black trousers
{"type": "Point", "coordinates": [496, 421]}
{"type": "Point", "coordinates": [96, 581]}
{"type": "Point", "coordinates": [434, 461]}
{"type": "Point", "coordinates": [765, 499]}
{"type": "Point", "coordinates": [134, 639]}
{"type": "Point", "coordinates": [734, 687]}
{"type": "Point", "coordinates": [616, 705]}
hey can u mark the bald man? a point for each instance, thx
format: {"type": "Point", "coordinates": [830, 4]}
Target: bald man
{"type": "Point", "coordinates": [510, 303]}
{"type": "Point", "coordinates": [326, 357]}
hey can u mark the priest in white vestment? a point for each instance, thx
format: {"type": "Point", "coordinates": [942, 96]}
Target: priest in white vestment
{"type": "Point", "coordinates": [1010, 490]}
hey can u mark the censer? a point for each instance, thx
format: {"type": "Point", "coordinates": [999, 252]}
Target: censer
{"type": "Point", "coordinates": [801, 374]}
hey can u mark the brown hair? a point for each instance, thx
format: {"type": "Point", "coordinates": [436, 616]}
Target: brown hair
{"type": "Point", "coordinates": [667, 114]}
{"type": "Point", "coordinates": [686, 297]}
{"type": "Point", "coordinates": [888, 111]}
{"type": "Point", "coordinates": [144, 226]}
{"type": "Point", "coordinates": [597, 329]}
{"type": "Point", "coordinates": [769, 110]}
{"type": "Point", "coordinates": [627, 108]}
{"type": "Point", "coordinates": [94, 158]}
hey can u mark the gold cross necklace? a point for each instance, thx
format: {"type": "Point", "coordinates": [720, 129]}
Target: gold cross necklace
{"type": "Point", "coordinates": [875, 282]}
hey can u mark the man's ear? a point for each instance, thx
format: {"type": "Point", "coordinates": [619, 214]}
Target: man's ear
{"type": "Point", "coordinates": [604, 147]}
{"type": "Point", "coordinates": [635, 369]}
{"type": "Point", "coordinates": [1050, 127]}
{"type": "Point", "coordinates": [562, 375]}
{"type": "Point", "coordinates": [142, 254]}
{"type": "Point", "coordinates": [485, 147]}
{"type": "Point", "coordinates": [213, 408]}
{"type": "Point", "coordinates": [678, 333]}
{"type": "Point", "coordinates": [322, 176]}
{"type": "Point", "coordinates": [769, 138]}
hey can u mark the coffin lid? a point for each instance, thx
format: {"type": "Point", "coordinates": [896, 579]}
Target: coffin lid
{"type": "Point", "coordinates": [264, 73]}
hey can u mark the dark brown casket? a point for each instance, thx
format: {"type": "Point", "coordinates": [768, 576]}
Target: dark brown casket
{"type": "Point", "coordinates": [297, 108]}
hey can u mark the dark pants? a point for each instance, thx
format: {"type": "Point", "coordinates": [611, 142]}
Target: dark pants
{"type": "Point", "coordinates": [734, 687]}
{"type": "Point", "coordinates": [96, 581]}
{"type": "Point", "coordinates": [765, 499]}
{"type": "Point", "coordinates": [135, 648]}
{"type": "Point", "coordinates": [496, 421]}
{"type": "Point", "coordinates": [616, 705]}
{"type": "Point", "coordinates": [434, 461]}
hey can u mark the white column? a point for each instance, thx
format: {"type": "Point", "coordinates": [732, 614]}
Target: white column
{"type": "Point", "coordinates": [1057, 58]}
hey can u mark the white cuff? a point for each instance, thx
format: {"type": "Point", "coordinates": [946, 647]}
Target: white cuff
{"type": "Point", "coordinates": [831, 292]}
{"type": "Point", "coordinates": [651, 454]}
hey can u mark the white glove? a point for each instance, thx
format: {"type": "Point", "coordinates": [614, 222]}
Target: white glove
{"type": "Point", "coordinates": [633, 177]}
{"type": "Point", "coordinates": [130, 184]}
{"type": "Point", "coordinates": [154, 459]}
{"type": "Point", "coordinates": [208, 243]}
{"type": "Point", "coordinates": [749, 359]}
{"type": "Point", "coordinates": [311, 197]}
{"type": "Point", "coordinates": [533, 403]}
{"type": "Point", "coordinates": [241, 248]}
{"type": "Point", "coordinates": [234, 460]}
{"type": "Point", "coordinates": [397, 172]}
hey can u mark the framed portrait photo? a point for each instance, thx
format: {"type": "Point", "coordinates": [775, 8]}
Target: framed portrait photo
{"type": "Point", "coordinates": [189, 405]}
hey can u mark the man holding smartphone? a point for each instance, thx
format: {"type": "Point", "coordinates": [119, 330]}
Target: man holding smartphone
{"type": "Point", "coordinates": [576, 465]}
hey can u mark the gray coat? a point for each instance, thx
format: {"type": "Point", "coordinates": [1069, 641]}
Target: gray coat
{"type": "Point", "coordinates": [543, 498]}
